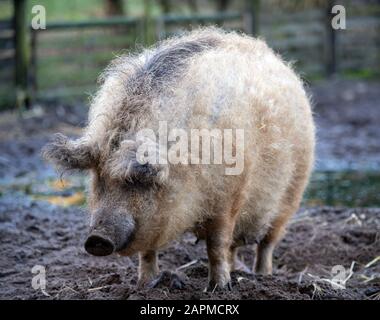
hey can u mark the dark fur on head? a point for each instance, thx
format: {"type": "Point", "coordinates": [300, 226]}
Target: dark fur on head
{"type": "Point", "coordinates": [70, 154]}
{"type": "Point", "coordinates": [124, 166]}
{"type": "Point", "coordinates": [165, 65]}
{"type": "Point", "coordinates": [168, 61]}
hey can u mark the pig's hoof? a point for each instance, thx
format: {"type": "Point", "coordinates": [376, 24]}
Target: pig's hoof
{"type": "Point", "coordinates": [168, 279]}
{"type": "Point", "coordinates": [215, 287]}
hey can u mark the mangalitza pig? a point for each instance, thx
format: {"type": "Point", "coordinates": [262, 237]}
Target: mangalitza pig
{"type": "Point", "coordinates": [204, 79]}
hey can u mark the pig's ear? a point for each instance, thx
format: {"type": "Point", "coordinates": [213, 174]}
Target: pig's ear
{"type": "Point", "coordinates": [69, 154]}
{"type": "Point", "coordinates": [126, 165]}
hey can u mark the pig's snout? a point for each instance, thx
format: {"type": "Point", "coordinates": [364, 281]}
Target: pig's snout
{"type": "Point", "coordinates": [99, 245]}
{"type": "Point", "coordinates": [109, 235]}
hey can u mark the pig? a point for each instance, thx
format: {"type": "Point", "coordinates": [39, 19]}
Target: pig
{"type": "Point", "coordinates": [203, 79]}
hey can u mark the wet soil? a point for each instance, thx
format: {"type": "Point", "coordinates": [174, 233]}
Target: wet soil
{"type": "Point", "coordinates": [347, 115]}
{"type": "Point", "coordinates": [324, 245]}
{"type": "Point", "coordinates": [35, 233]}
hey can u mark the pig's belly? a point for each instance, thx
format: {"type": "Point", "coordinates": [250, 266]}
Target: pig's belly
{"type": "Point", "coordinates": [250, 226]}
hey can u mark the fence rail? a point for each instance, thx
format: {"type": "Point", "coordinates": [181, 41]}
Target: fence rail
{"type": "Point", "coordinates": [110, 22]}
{"type": "Point", "coordinates": [135, 28]}
{"type": "Point", "coordinates": [201, 18]}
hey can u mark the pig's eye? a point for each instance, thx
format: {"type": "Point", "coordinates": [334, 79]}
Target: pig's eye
{"type": "Point", "coordinates": [145, 171]}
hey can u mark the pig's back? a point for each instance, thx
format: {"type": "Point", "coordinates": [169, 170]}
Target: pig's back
{"type": "Point", "coordinates": [213, 79]}
{"type": "Point", "coordinates": [242, 84]}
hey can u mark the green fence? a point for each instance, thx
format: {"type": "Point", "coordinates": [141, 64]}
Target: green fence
{"type": "Point", "coordinates": [64, 60]}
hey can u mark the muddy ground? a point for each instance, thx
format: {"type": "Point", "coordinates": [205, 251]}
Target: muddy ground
{"type": "Point", "coordinates": [347, 115]}
{"type": "Point", "coordinates": [35, 232]}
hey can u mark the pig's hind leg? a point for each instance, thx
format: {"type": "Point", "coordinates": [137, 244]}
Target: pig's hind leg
{"type": "Point", "coordinates": [235, 262]}
{"type": "Point", "coordinates": [265, 248]}
{"type": "Point", "coordinates": [289, 205]}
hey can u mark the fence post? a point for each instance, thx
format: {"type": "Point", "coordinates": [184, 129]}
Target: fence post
{"type": "Point", "coordinates": [22, 52]}
{"type": "Point", "coordinates": [253, 6]}
{"type": "Point", "coordinates": [148, 23]}
{"type": "Point", "coordinates": [330, 41]}
{"type": "Point", "coordinates": [33, 65]}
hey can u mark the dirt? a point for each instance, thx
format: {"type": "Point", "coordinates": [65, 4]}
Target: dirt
{"type": "Point", "coordinates": [347, 115]}
{"type": "Point", "coordinates": [319, 240]}
{"type": "Point", "coordinates": [35, 233]}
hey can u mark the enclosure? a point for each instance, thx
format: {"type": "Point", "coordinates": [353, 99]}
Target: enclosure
{"type": "Point", "coordinates": [48, 76]}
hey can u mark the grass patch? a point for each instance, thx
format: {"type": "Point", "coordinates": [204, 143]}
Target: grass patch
{"type": "Point", "coordinates": [365, 74]}
{"type": "Point", "coordinates": [347, 188]}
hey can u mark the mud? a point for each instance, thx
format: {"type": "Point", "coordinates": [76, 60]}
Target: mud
{"type": "Point", "coordinates": [34, 232]}
{"type": "Point", "coordinates": [347, 115]}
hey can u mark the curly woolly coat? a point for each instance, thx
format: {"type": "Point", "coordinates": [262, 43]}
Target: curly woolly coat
{"type": "Point", "coordinates": [208, 79]}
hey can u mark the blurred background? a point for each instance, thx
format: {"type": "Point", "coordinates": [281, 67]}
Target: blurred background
{"type": "Point", "coordinates": [48, 75]}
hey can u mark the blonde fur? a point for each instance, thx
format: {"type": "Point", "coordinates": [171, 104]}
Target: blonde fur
{"type": "Point", "coordinates": [232, 81]}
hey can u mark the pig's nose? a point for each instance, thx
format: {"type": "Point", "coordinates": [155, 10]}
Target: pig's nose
{"type": "Point", "coordinates": [99, 246]}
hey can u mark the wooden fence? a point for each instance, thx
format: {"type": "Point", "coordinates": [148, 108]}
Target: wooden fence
{"type": "Point", "coordinates": [7, 63]}
{"type": "Point", "coordinates": [78, 51]}
{"type": "Point", "coordinates": [65, 59]}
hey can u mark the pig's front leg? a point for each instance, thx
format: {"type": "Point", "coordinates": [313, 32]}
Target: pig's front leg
{"type": "Point", "coordinates": [219, 240]}
{"type": "Point", "coordinates": [150, 277]}
{"type": "Point", "coordinates": [148, 267]}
